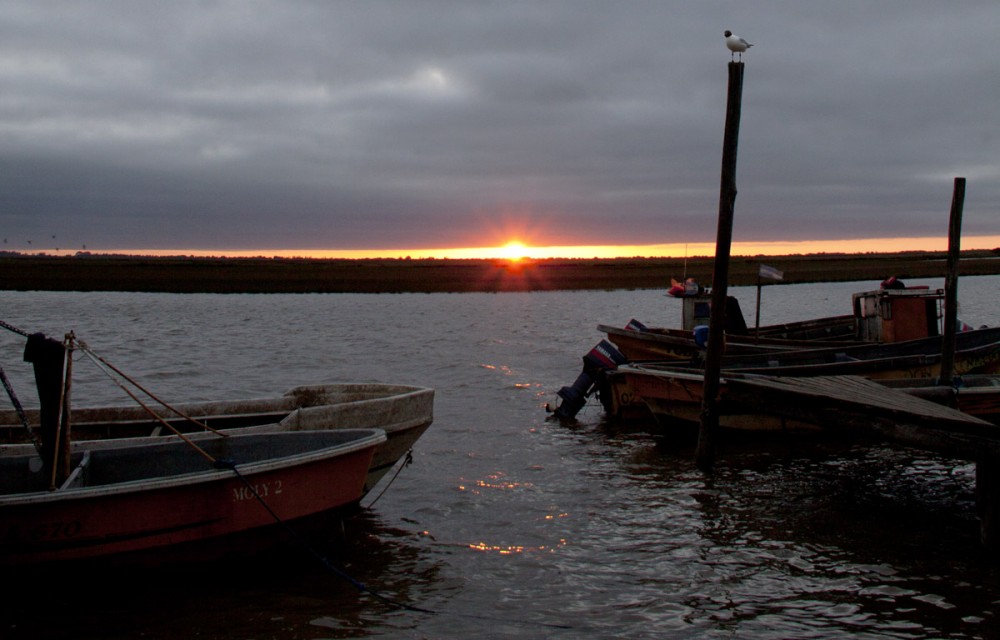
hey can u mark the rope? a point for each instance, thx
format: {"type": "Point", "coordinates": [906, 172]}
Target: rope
{"type": "Point", "coordinates": [99, 360]}
{"type": "Point", "coordinates": [20, 411]}
{"type": "Point", "coordinates": [11, 327]}
{"type": "Point", "coordinates": [406, 462]}
{"type": "Point", "coordinates": [148, 410]}
{"type": "Point", "coordinates": [229, 464]}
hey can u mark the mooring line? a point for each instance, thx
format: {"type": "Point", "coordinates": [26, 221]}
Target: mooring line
{"type": "Point", "coordinates": [231, 465]}
{"type": "Point", "coordinates": [360, 586]}
{"type": "Point", "coordinates": [406, 462]}
{"type": "Point", "coordinates": [20, 411]}
{"type": "Point", "coordinates": [14, 329]}
{"type": "Point", "coordinates": [104, 365]}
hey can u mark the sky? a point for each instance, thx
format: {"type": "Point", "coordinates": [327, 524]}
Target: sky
{"type": "Point", "coordinates": [417, 127]}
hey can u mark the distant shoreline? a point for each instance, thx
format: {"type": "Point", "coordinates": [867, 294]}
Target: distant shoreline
{"type": "Point", "coordinates": [19, 272]}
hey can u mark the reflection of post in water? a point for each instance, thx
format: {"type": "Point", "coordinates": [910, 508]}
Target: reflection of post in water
{"type": "Point", "coordinates": [724, 237]}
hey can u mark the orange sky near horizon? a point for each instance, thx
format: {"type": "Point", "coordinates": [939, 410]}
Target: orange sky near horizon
{"type": "Point", "coordinates": [515, 249]}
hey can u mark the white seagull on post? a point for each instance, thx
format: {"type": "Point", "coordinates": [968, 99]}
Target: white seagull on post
{"type": "Point", "coordinates": [736, 44]}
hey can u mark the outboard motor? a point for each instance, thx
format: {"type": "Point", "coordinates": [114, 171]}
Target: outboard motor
{"type": "Point", "coordinates": [603, 357]}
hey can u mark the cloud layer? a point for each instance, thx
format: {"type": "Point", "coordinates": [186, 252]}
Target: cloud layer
{"type": "Point", "coordinates": [346, 125]}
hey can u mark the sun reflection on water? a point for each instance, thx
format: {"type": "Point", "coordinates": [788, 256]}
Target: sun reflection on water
{"type": "Point", "coordinates": [509, 550]}
{"type": "Point", "coordinates": [493, 481]}
{"type": "Point", "coordinates": [502, 368]}
{"type": "Point", "coordinates": [500, 482]}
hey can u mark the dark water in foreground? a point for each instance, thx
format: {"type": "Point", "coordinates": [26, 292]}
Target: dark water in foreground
{"type": "Point", "coordinates": [508, 524]}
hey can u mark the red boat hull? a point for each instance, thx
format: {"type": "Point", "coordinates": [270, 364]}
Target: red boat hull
{"type": "Point", "coordinates": [101, 523]}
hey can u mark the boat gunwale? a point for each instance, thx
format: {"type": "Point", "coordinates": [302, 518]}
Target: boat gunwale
{"type": "Point", "coordinates": [284, 404]}
{"type": "Point", "coordinates": [765, 344]}
{"type": "Point", "coordinates": [372, 439]}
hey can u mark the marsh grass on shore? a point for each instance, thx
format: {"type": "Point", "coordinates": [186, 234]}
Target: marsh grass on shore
{"type": "Point", "coordinates": [303, 275]}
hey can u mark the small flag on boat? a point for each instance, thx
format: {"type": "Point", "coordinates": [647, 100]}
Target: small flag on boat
{"type": "Point", "coordinates": [635, 325]}
{"type": "Point", "coordinates": [770, 272]}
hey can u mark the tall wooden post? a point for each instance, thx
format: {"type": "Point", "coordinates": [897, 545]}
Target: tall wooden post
{"type": "Point", "coordinates": [988, 500]}
{"type": "Point", "coordinates": [705, 453]}
{"type": "Point", "coordinates": [951, 284]}
{"type": "Point", "coordinates": [61, 445]}
{"type": "Point", "coordinates": [66, 425]}
{"type": "Point", "coordinates": [756, 324]}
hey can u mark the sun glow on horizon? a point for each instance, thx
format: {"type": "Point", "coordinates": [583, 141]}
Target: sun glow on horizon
{"type": "Point", "coordinates": [516, 250]}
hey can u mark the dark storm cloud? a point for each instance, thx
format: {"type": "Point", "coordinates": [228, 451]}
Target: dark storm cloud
{"type": "Point", "coordinates": [232, 125]}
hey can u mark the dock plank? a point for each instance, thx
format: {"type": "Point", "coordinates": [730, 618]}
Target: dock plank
{"type": "Point", "coordinates": [862, 393]}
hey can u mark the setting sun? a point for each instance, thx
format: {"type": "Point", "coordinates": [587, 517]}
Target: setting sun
{"type": "Point", "coordinates": [514, 251]}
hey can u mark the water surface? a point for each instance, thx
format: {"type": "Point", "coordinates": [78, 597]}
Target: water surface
{"type": "Point", "coordinates": [509, 524]}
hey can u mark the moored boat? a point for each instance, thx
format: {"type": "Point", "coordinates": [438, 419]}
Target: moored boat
{"type": "Point", "coordinates": [138, 498]}
{"type": "Point", "coordinates": [660, 343]}
{"type": "Point", "coordinates": [895, 332]}
{"type": "Point", "coordinates": [976, 352]}
{"type": "Point", "coordinates": [404, 412]}
{"type": "Point", "coordinates": [757, 402]}
{"type": "Point", "coordinates": [879, 316]}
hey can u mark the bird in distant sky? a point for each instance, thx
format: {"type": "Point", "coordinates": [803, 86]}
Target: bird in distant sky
{"type": "Point", "coordinates": [736, 44]}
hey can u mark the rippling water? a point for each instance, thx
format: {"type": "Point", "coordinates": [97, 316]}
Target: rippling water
{"type": "Point", "coordinates": [510, 524]}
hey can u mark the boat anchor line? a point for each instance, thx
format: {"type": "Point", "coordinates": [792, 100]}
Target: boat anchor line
{"type": "Point", "coordinates": [101, 362]}
{"type": "Point", "coordinates": [20, 411]}
{"type": "Point", "coordinates": [13, 397]}
{"type": "Point", "coordinates": [11, 327]}
{"type": "Point", "coordinates": [104, 365]}
{"type": "Point", "coordinates": [407, 461]}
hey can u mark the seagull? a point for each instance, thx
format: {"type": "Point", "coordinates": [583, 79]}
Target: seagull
{"type": "Point", "coordinates": [736, 44]}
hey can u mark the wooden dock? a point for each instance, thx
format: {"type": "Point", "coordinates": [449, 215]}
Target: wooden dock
{"type": "Point", "coordinates": [851, 402]}
{"type": "Point", "coordinates": [840, 402]}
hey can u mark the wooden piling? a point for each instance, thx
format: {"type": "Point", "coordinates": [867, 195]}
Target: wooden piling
{"type": "Point", "coordinates": [61, 449]}
{"type": "Point", "coordinates": [705, 454]}
{"type": "Point", "coordinates": [988, 501]}
{"type": "Point", "coordinates": [756, 324]}
{"type": "Point", "coordinates": [951, 284]}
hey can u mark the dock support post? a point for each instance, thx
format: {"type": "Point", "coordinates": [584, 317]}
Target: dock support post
{"type": "Point", "coordinates": [756, 324]}
{"type": "Point", "coordinates": [705, 454]}
{"type": "Point", "coordinates": [988, 500]}
{"type": "Point", "coordinates": [951, 284]}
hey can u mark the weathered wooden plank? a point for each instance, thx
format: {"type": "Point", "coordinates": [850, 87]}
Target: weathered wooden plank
{"type": "Point", "coordinates": [858, 392]}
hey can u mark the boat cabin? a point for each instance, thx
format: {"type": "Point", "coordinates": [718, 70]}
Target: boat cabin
{"type": "Point", "coordinates": [697, 311]}
{"type": "Point", "coordinates": [888, 314]}
{"type": "Point", "coordinates": [894, 315]}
